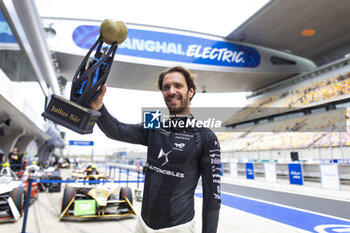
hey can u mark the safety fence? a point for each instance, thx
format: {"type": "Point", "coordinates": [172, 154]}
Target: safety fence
{"type": "Point", "coordinates": [329, 175]}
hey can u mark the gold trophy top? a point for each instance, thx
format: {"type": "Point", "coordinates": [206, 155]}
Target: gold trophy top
{"type": "Point", "coordinates": [112, 30]}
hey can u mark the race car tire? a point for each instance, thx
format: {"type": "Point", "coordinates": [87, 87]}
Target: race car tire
{"type": "Point", "coordinates": [125, 192]}
{"type": "Point", "coordinates": [18, 197]}
{"type": "Point", "coordinates": [68, 195]}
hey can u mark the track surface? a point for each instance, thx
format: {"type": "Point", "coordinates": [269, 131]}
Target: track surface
{"type": "Point", "coordinates": [244, 209]}
{"type": "Point", "coordinates": [321, 205]}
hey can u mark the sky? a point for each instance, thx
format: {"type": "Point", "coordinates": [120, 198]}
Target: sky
{"type": "Point", "coordinates": [218, 18]}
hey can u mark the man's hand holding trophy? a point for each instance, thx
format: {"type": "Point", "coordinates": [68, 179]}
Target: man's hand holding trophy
{"type": "Point", "coordinates": [88, 80]}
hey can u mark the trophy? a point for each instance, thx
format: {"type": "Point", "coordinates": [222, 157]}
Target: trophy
{"type": "Point", "coordinates": [87, 83]}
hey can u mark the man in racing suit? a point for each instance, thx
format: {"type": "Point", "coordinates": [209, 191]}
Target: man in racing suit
{"type": "Point", "coordinates": [176, 158]}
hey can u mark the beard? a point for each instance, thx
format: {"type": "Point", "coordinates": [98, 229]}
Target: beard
{"type": "Point", "coordinates": [178, 108]}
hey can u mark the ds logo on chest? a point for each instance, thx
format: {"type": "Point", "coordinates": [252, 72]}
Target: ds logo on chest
{"type": "Point", "coordinates": [165, 155]}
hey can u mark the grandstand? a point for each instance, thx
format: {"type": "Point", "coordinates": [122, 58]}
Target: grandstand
{"type": "Point", "coordinates": [306, 114]}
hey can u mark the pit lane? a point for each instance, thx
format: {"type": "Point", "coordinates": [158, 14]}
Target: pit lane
{"type": "Point", "coordinates": [43, 216]}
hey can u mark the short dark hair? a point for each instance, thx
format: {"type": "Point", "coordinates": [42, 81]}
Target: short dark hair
{"type": "Point", "coordinates": [185, 72]}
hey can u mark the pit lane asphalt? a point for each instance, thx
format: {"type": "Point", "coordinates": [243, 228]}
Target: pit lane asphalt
{"type": "Point", "coordinates": [331, 207]}
{"type": "Point", "coordinates": [44, 215]}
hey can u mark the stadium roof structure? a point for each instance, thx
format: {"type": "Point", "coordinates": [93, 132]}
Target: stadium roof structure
{"type": "Point", "coordinates": [314, 32]}
{"type": "Point", "coordinates": [317, 30]}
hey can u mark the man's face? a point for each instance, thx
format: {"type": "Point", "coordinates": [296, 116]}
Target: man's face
{"type": "Point", "coordinates": [176, 94]}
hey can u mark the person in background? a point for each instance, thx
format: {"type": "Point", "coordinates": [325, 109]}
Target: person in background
{"type": "Point", "coordinates": [94, 170]}
{"type": "Point", "coordinates": [88, 170]}
{"type": "Point", "coordinates": [15, 159]}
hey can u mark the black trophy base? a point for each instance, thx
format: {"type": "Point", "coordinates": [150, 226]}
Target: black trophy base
{"type": "Point", "coordinates": [71, 115]}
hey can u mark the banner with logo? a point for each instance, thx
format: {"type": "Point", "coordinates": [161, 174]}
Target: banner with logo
{"type": "Point", "coordinates": [330, 176]}
{"type": "Point", "coordinates": [249, 167]}
{"type": "Point", "coordinates": [295, 173]}
{"type": "Point", "coordinates": [270, 172]}
{"type": "Point", "coordinates": [168, 46]}
{"type": "Point", "coordinates": [81, 143]}
{"type": "Point", "coordinates": [6, 35]}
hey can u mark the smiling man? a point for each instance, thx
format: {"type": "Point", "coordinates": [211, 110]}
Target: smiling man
{"type": "Point", "coordinates": [176, 158]}
{"type": "Point", "coordinates": [178, 88]}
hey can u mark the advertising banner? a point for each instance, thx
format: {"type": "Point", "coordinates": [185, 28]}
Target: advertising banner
{"type": "Point", "coordinates": [295, 173]}
{"type": "Point", "coordinates": [329, 176]}
{"type": "Point", "coordinates": [270, 172]}
{"type": "Point", "coordinates": [81, 143]}
{"type": "Point", "coordinates": [6, 35]}
{"type": "Point", "coordinates": [249, 167]}
{"type": "Point", "coordinates": [175, 47]}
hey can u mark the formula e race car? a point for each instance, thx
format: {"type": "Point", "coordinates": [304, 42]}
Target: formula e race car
{"type": "Point", "coordinates": [107, 200]}
{"type": "Point", "coordinates": [38, 173]}
{"type": "Point", "coordinates": [12, 195]}
{"type": "Point", "coordinates": [90, 173]}
{"type": "Point", "coordinates": [79, 176]}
